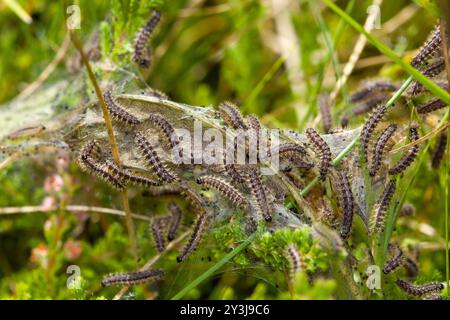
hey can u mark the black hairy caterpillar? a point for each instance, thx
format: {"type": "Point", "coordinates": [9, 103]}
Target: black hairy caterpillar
{"type": "Point", "coordinates": [255, 130]}
{"type": "Point", "coordinates": [230, 113]}
{"type": "Point", "coordinates": [129, 177]}
{"type": "Point", "coordinates": [153, 159]}
{"type": "Point", "coordinates": [157, 233]}
{"type": "Point", "coordinates": [132, 278]}
{"type": "Point", "coordinates": [194, 199]}
{"type": "Point", "coordinates": [408, 158]}
{"type": "Point", "coordinates": [230, 192]}
{"type": "Point", "coordinates": [256, 187]}
{"type": "Point", "coordinates": [295, 260]}
{"type": "Point", "coordinates": [429, 48]}
{"type": "Point", "coordinates": [419, 290]}
{"type": "Point", "coordinates": [439, 150]}
{"type": "Point", "coordinates": [165, 127]}
{"type": "Point", "coordinates": [325, 111]}
{"type": "Point", "coordinates": [87, 162]}
{"type": "Point", "coordinates": [289, 149]}
{"type": "Point", "coordinates": [395, 262]}
{"type": "Point", "coordinates": [369, 104]}
{"type": "Point", "coordinates": [383, 205]}
{"type": "Point", "coordinates": [346, 201]}
{"type": "Point", "coordinates": [370, 125]}
{"type": "Point", "coordinates": [411, 267]}
{"type": "Point", "coordinates": [433, 70]}
{"type": "Point", "coordinates": [379, 148]}
{"type": "Point", "coordinates": [233, 172]}
{"type": "Point", "coordinates": [141, 55]}
{"type": "Point", "coordinates": [175, 221]}
{"type": "Point", "coordinates": [369, 89]}
{"type": "Point", "coordinates": [323, 150]}
{"type": "Point", "coordinates": [196, 237]}
{"type": "Point", "coordinates": [431, 106]}
{"type": "Point", "coordinates": [118, 112]}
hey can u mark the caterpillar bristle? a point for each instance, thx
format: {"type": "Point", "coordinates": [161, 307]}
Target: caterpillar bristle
{"type": "Point", "coordinates": [408, 158]}
{"type": "Point", "coordinates": [230, 113]}
{"type": "Point", "coordinates": [323, 150]}
{"type": "Point", "coordinates": [197, 234]}
{"type": "Point", "coordinates": [132, 278]}
{"type": "Point", "coordinates": [141, 53]}
{"type": "Point", "coordinates": [439, 150]}
{"type": "Point", "coordinates": [379, 148]}
{"type": "Point", "coordinates": [117, 112]}
{"type": "Point", "coordinates": [175, 221]}
{"type": "Point", "coordinates": [153, 160]}
{"type": "Point", "coordinates": [230, 192]}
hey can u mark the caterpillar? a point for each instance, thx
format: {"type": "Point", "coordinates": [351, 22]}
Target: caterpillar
{"type": "Point", "coordinates": [132, 278]}
{"type": "Point", "coordinates": [369, 104]}
{"type": "Point", "coordinates": [175, 221]}
{"type": "Point", "coordinates": [289, 149]}
{"type": "Point", "coordinates": [118, 112]}
{"type": "Point", "coordinates": [395, 262]}
{"type": "Point", "coordinates": [431, 106]}
{"type": "Point", "coordinates": [196, 237]}
{"type": "Point", "coordinates": [370, 125]}
{"type": "Point", "coordinates": [323, 150]}
{"type": "Point", "coordinates": [156, 228]}
{"type": "Point", "coordinates": [379, 148]}
{"type": "Point", "coordinates": [165, 127]}
{"type": "Point", "coordinates": [411, 267]}
{"type": "Point", "coordinates": [429, 48]}
{"type": "Point", "coordinates": [433, 70]}
{"type": "Point", "coordinates": [194, 199]}
{"type": "Point", "coordinates": [408, 158]}
{"type": "Point", "coordinates": [419, 290]}
{"type": "Point", "coordinates": [256, 187]}
{"type": "Point", "coordinates": [230, 113]}
{"type": "Point", "coordinates": [141, 55]}
{"type": "Point", "coordinates": [87, 162]}
{"type": "Point", "coordinates": [325, 111]}
{"type": "Point", "coordinates": [132, 178]}
{"type": "Point", "coordinates": [233, 172]}
{"type": "Point", "coordinates": [298, 163]}
{"type": "Point", "coordinates": [383, 205]}
{"type": "Point", "coordinates": [296, 262]}
{"type": "Point", "coordinates": [369, 89]}
{"type": "Point", "coordinates": [439, 150]}
{"type": "Point", "coordinates": [230, 192]}
{"type": "Point", "coordinates": [346, 202]}
{"type": "Point", "coordinates": [255, 126]}
{"type": "Point", "coordinates": [153, 159]}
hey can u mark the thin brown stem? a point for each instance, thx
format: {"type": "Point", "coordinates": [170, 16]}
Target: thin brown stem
{"type": "Point", "coordinates": [112, 139]}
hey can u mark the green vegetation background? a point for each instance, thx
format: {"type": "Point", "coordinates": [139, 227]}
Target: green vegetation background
{"type": "Point", "coordinates": [205, 52]}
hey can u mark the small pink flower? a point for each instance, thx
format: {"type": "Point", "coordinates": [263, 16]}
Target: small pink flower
{"type": "Point", "coordinates": [48, 202]}
{"type": "Point", "coordinates": [72, 249]}
{"type": "Point", "coordinates": [53, 183]}
{"type": "Point", "coordinates": [39, 255]}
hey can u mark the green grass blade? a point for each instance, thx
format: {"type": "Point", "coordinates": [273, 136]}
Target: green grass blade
{"type": "Point", "coordinates": [432, 87]}
{"type": "Point", "coordinates": [214, 268]}
{"type": "Point", "coordinates": [19, 11]}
